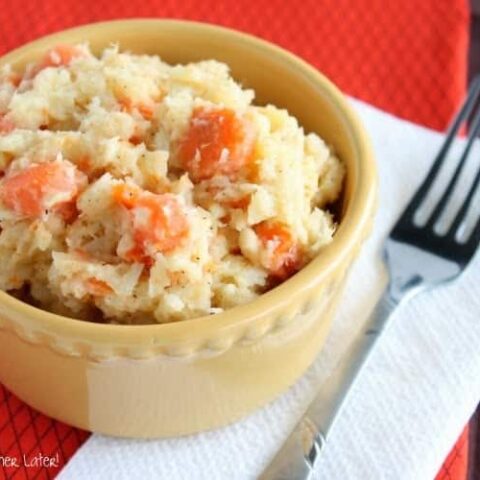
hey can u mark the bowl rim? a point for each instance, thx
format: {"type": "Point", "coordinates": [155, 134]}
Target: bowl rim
{"type": "Point", "coordinates": [349, 235]}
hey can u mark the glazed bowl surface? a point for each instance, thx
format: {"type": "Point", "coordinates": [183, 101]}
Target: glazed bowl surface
{"type": "Point", "coordinates": [179, 378]}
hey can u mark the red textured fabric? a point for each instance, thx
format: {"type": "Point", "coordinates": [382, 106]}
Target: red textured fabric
{"type": "Point", "coordinates": [405, 56]}
{"type": "Point", "coordinates": [26, 434]}
{"type": "Point", "coordinates": [455, 466]}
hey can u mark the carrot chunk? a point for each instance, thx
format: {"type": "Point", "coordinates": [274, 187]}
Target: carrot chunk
{"type": "Point", "coordinates": [217, 142]}
{"type": "Point", "coordinates": [158, 221]}
{"type": "Point", "coordinates": [29, 192]}
{"type": "Point", "coordinates": [137, 254]}
{"type": "Point", "coordinates": [98, 288]}
{"type": "Point", "coordinates": [240, 202]}
{"type": "Point", "coordinates": [6, 125]}
{"type": "Point", "coordinates": [126, 194]}
{"type": "Point", "coordinates": [68, 211]}
{"type": "Point", "coordinates": [61, 55]}
{"type": "Point", "coordinates": [15, 79]}
{"type": "Point", "coordinates": [146, 110]}
{"type": "Point", "coordinates": [284, 256]}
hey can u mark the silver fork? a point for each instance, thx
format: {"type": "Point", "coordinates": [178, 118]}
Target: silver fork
{"type": "Point", "coordinates": [418, 258]}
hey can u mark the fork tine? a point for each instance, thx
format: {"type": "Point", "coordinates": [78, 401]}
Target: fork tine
{"type": "Point", "coordinates": [465, 207]}
{"type": "Point", "coordinates": [459, 217]}
{"type": "Point", "coordinates": [470, 248]}
{"type": "Point", "coordinates": [463, 115]}
{"type": "Point", "coordinates": [474, 131]}
{"type": "Point", "coordinates": [475, 237]}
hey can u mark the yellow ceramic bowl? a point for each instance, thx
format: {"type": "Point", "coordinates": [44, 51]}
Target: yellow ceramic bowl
{"type": "Point", "coordinates": [179, 378]}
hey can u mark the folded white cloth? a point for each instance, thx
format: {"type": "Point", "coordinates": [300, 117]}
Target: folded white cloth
{"type": "Point", "coordinates": [410, 404]}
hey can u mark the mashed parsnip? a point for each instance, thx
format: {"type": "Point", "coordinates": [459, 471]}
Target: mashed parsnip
{"type": "Point", "coordinates": [139, 192]}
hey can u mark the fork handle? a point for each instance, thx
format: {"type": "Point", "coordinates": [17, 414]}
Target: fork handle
{"type": "Point", "coordinates": [297, 457]}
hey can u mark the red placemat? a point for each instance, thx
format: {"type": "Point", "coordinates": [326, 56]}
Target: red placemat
{"type": "Point", "coordinates": [455, 466]}
{"type": "Point", "coordinates": [26, 435]}
{"type": "Point", "coordinates": [404, 56]}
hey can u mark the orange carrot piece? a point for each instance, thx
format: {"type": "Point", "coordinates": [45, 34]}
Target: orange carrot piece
{"type": "Point", "coordinates": [6, 125]}
{"type": "Point", "coordinates": [284, 260]}
{"type": "Point", "coordinates": [15, 79]}
{"type": "Point", "coordinates": [146, 110]}
{"type": "Point", "coordinates": [61, 55]}
{"type": "Point", "coordinates": [98, 288]}
{"type": "Point", "coordinates": [157, 220]}
{"type": "Point", "coordinates": [68, 211]}
{"type": "Point", "coordinates": [217, 141]}
{"type": "Point", "coordinates": [240, 202]}
{"type": "Point", "coordinates": [28, 191]}
{"type": "Point", "coordinates": [126, 194]}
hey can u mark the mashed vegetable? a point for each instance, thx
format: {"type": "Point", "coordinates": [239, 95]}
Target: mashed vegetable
{"type": "Point", "coordinates": [141, 192]}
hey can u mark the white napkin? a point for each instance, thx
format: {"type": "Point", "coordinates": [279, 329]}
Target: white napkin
{"type": "Point", "coordinates": [412, 401]}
